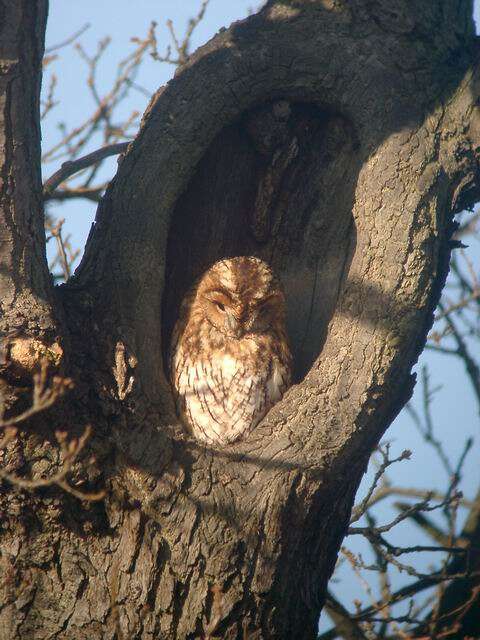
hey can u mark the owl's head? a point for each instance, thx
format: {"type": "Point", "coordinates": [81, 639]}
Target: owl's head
{"type": "Point", "coordinates": [241, 296]}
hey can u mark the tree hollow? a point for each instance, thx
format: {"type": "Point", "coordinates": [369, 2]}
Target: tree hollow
{"type": "Point", "coordinates": [278, 183]}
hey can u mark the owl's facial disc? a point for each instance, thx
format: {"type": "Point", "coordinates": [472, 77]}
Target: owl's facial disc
{"type": "Point", "coordinates": [236, 313]}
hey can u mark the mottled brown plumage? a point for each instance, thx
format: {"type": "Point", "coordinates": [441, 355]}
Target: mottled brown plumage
{"type": "Point", "coordinates": [230, 361]}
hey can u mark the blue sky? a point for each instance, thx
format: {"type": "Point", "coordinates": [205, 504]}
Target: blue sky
{"type": "Point", "coordinates": [454, 411]}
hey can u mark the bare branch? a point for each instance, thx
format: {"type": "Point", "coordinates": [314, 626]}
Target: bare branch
{"type": "Point", "coordinates": [44, 396]}
{"type": "Point", "coordinates": [427, 525]}
{"type": "Point", "coordinates": [66, 255]}
{"type": "Point", "coordinates": [387, 490]}
{"type": "Point", "coordinates": [471, 366]}
{"type": "Point", "coordinates": [87, 193]}
{"type": "Point", "coordinates": [346, 627]}
{"type": "Point", "coordinates": [57, 234]}
{"type": "Point", "coordinates": [415, 508]}
{"type": "Point", "coordinates": [71, 451]}
{"type": "Point", "coordinates": [461, 304]}
{"type": "Point", "coordinates": [49, 103]}
{"type": "Point", "coordinates": [402, 594]}
{"type": "Point", "coordinates": [73, 166]}
{"type": "Point", "coordinates": [182, 48]}
{"type": "Point", "coordinates": [69, 40]}
{"type": "Point", "coordinates": [359, 510]}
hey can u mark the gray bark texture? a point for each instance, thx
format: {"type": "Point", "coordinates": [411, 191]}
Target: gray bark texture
{"type": "Point", "coordinates": [334, 139]}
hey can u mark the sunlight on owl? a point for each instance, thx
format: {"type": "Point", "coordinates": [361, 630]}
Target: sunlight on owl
{"type": "Point", "coordinates": [230, 360]}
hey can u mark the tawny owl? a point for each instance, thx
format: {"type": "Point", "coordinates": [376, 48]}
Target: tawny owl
{"type": "Point", "coordinates": [230, 361]}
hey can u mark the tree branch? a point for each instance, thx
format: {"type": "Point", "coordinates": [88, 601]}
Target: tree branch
{"type": "Point", "coordinates": [71, 167]}
{"type": "Point", "coordinates": [344, 625]}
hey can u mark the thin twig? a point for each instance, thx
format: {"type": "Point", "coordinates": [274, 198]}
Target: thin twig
{"type": "Point", "coordinates": [415, 508]}
{"type": "Point", "coordinates": [388, 490]}
{"type": "Point", "coordinates": [43, 397]}
{"type": "Point", "coordinates": [71, 452]}
{"type": "Point", "coordinates": [69, 40]}
{"type": "Point", "coordinates": [87, 193]}
{"type": "Point", "coordinates": [359, 510]}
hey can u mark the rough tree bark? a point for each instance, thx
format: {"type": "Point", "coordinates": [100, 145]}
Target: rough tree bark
{"type": "Point", "coordinates": [335, 139]}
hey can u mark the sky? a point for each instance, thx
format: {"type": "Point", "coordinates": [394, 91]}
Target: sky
{"type": "Point", "coordinates": [454, 411]}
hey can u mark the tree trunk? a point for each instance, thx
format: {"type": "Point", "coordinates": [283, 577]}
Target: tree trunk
{"type": "Point", "coordinates": [334, 140]}
{"type": "Point", "coordinates": [25, 287]}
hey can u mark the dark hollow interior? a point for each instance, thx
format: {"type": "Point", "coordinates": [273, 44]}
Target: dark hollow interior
{"type": "Point", "coordinates": [278, 184]}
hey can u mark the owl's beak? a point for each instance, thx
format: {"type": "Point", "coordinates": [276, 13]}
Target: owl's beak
{"type": "Point", "coordinates": [234, 325]}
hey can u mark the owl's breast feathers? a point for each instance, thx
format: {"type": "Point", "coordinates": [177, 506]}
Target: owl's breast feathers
{"type": "Point", "coordinates": [222, 394]}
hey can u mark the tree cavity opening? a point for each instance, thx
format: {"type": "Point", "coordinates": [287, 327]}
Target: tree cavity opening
{"type": "Point", "coordinates": [277, 184]}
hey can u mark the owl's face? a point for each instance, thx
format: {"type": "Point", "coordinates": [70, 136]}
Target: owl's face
{"type": "Point", "coordinates": [240, 296]}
